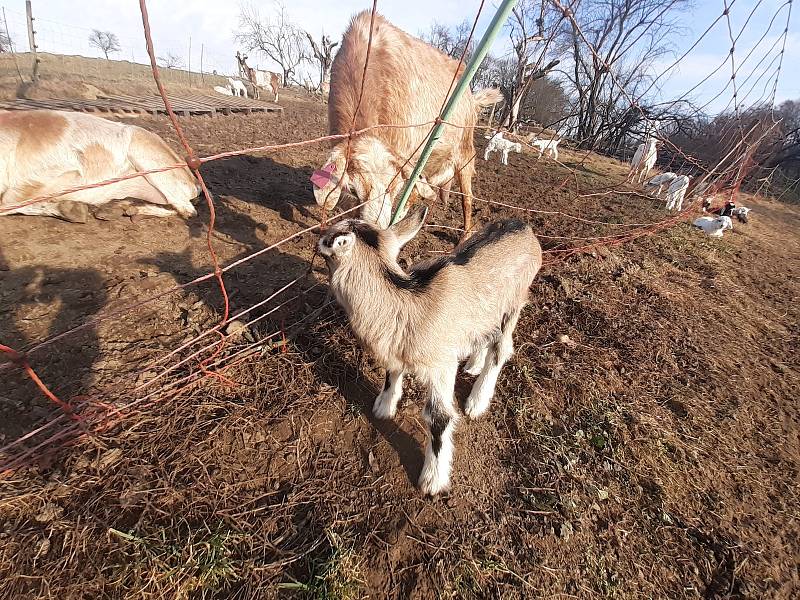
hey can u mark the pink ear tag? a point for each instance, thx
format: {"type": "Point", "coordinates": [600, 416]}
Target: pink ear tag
{"type": "Point", "coordinates": [323, 176]}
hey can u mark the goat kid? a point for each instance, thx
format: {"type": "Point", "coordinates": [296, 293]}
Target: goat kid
{"type": "Point", "coordinates": [676, 192]}
{"type": "Point", "coordinates": [238, 87]}
{"type": "Point", "coordinates": [463, 306]}
{"type": "Point", "coordinates": [221, 89]}
{"type": "Point", "coordinates": [713, 226]}
{"type": "Point", "coordinates": [643, 160]}
{"type": "Point", "coordinates": [659, 181]}
{"type": "Point", "coordinates": [546, 146]}
{"type": "Point", "coordinates": [500, 144]}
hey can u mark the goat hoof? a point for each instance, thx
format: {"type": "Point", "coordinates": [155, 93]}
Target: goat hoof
{"type": "Point", "coordinates": [431, 482]}
{"type": "Point", "coordinates": [476, 406]}
{"type": "Point", "coordinates": [74, 212]}
{"type": "Point", "coordinates": [382, 408]}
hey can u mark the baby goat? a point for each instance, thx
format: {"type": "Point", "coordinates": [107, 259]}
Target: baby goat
{"type": "Point", "coordinates": [643, 160]}
{"type": "Point", "coordinates": [659, 181]}
{"type": "Point", "coordinates": [713, 226]}
{"type": "Point", "coordinates": [500, 144]}
{"type": "Point", "coordinates": [463, 306]}
{"type": "Point", "coordinates": [676, 192]}
{"type": "Point", "coordinates": [548, 146]}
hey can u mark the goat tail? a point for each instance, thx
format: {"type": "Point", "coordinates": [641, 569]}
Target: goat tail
{"type": "Point", "coordinates": [488, 97]}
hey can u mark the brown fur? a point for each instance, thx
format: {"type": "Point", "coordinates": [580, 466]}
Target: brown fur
{"type": "Point", "coordinates": [36, 131]}
{"type": "Point", "coordinates": [93, 159]}
{"type": "Point", "coordinates": [426, 320]}
{"type": "Point", "coordinates": [44, 153]}
{"type": "Point", "coordinates": [407, 82]}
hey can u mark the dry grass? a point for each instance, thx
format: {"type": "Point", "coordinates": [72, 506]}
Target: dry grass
{"type": "Point", "coordinates": [653, 455]}
{"type": "Point", "coordinates": [78, 77]}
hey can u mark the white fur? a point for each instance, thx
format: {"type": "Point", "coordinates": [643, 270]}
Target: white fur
{"type": "Point", "coordinates": [500, 144]}
{"type": "Point", "coordinates": [659, 181]}
{"type": "Point", "coordinates": [385, 406]}
{"type": "Point", "coordinates": [714, 226]}
{"type": "Point", "coordinates": [643, 160]}
{"type": "Point", "coordinates": [238, 87]}
{"type": "Point", "coordinates": [676, 192]}
{"type": "Point", "coordinates": [223, 90]}
{"type": "Point", "coordinates": [546, 146]}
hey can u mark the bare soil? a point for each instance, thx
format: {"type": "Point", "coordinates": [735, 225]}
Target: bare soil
{"type": "Point", "coordinates": [653, 454]}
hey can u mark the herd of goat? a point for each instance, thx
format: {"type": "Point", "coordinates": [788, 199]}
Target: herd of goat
{"type": "Point", "coordinates": [425, 320]}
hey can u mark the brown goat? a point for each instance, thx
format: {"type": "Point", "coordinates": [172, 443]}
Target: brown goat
{"type": "Point", "coordinates": [406, 83]}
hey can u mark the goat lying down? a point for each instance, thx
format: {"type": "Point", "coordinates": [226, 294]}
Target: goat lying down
{"type": "Point", "coordinates": [497, 143]}
{"type": "Point", "coordinates": [45, 152]}
{"type": "Point", "coordinates": [463, 306]}
{"type": "Point", "coordinates": [713, 226]}
{"type": "Point", "coordinates": [406, 83]}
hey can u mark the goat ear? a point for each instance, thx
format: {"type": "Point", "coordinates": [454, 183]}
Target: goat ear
{"type": "Point", "coordinates": [409, 226]}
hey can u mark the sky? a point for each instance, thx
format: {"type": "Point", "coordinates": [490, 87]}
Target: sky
{"type": "Point", "coordinates": [64, 25]}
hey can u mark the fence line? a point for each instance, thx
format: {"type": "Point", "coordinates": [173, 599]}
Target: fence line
{"type": "Point", "coordinates": [222, 362]}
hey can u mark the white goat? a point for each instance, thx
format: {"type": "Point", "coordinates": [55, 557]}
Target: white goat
{"type": "Point", "coordinates": [741, 213]}
{"type": "Point", "coordinates": [46, 152]}
{"type": "Point", "coordinates": [406, 82]}
{"type": "Point", "coordinates": [714, 226]}
{"type": "Point", "coordinates": [220, 89]}
{"type": "Point", "coordinates": [500, 144]}
{"type": "Point", "coordinates": [238, 87]}
{"type": "Point", "coordinates": [676, 192]}
{"type": "Point", "coordinates": [548, 146]}
{"type": "Point", "coordinates": [643, 160]}
{"type": "Point", "coordinates": [659, 181]}
{"type": "Point", "coordinates": [461, 306]}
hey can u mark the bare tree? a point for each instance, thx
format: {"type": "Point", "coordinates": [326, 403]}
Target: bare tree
{"type": "Point", "coordinates": [276, 36]}
{"type": "Point", "coordinates": [171, 60]}
{"type": "Point", "coordinates": [613, 46]}
{"type": "Point", "coordinates": [449, 41]}
{"type": "Point", "coordinates": [531, 29]}
{"type": "Point", "coordinates": [323, 53]}
{"type": "Point", "coordinates": [105, 41]}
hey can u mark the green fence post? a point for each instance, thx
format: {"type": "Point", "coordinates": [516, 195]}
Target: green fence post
{"type": "Point", "coordinates": [480, 53]}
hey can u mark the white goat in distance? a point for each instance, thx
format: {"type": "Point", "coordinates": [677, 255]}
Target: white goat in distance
{"type": "Point", "coordinates": [659, 181]}
{"type": "Point", "coordinates": [676, 192]}
{"type": "Point", "coordinates": [545, 146]}
{"type": "Point", "coordinates": [643, 160]}
{"type": "Point", "coordinates": [497, 143]}
{"type": "Point", "coordinates": [238, 87]}
{"type": "Point", "coordinates": [463, 306]}
{"type": "Point", "coordinates": [714, 226]}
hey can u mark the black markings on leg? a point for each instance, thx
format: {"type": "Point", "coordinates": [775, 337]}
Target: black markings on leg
{"type": "Point", "coordinates": [504, 322]}
{"type": "Point", "coordinates": [495, 350]}
{"type": "Point", "coordinates": [439, 422]}
{"type": "Point", "coordinates": [387, 382]}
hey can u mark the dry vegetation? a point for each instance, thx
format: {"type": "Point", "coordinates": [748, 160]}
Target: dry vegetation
{"type": "Point", "coordinates": [653, 454]}
{"type": "Point", "coordinates": [78, 77]}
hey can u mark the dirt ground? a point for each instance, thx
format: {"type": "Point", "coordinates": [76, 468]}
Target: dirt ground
{"type": "Point", "coordinates": [654, 454]}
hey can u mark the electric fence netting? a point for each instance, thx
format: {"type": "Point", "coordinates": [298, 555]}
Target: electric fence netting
{"type": "Point", "coordinates": [210, 356]}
